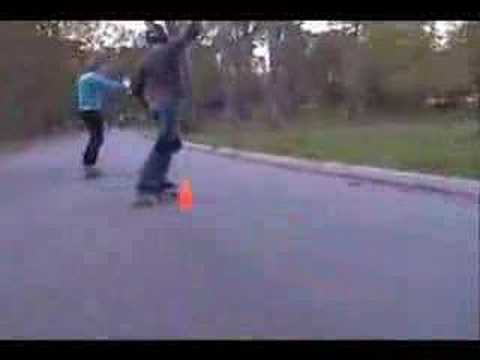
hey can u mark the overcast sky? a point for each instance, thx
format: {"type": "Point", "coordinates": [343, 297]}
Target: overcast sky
{"type": "Point", "coordinates": [315, 26]}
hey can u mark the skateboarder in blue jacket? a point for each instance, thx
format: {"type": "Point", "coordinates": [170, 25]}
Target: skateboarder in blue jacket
{"type": "Point", "coordinates": [93, 87]}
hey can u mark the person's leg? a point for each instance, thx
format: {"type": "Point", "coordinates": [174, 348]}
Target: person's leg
{"type": "Point", "coordinates": [170, 143]}
{"type": "Point", "coordinates": [153, 175]}
{"type": "Point", "coordinates": [94, 123]}
{"type": "Point", "coordinates": [90, 127]}
{"type": "Point", "coordinates": [166, 118]}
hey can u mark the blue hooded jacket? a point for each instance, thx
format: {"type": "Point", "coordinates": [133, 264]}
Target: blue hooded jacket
{"type": "Point", "coordinates": [92, 89]}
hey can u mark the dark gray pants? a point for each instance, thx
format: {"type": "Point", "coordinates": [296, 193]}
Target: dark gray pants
{"type": "Point", "coordinates": [155, 169]}
{"type": "Point", "coordinates": [94, 122]}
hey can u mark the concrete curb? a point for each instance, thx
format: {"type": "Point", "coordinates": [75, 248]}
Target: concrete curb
{"type": "Point", "coordinates": [447, 185]}
{"type": "Point", "coordinates": [459, 187]}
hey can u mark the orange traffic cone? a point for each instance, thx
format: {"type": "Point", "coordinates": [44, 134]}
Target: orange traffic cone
{"type": "Point", "coordinates": [185, 196]}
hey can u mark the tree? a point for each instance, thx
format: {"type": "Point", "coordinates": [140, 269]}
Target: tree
{"type": "Point", "coordinates": [206, 79]}
{"type": "Point", "coordinates": [25, 107]}
{"type": "Point", "coordinates": [233, 43]}
{"type": "Point", "coordinates": [92, 35]}
{"type": "Point", "coordinates": [467, 37]}
{"type": "Point", "coordinates": [400, 53]}
{"type": "Point", "coordinates": [286, 79]}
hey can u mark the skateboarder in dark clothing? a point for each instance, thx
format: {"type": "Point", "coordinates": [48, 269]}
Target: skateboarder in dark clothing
{"type": "Point", "coordinates": [158, 85]}
{"type": "Point", "coordinates": [93, 86]}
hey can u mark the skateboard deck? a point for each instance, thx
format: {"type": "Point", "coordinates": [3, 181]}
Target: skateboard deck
{"type": "Point", "coordinates": [150, 200]}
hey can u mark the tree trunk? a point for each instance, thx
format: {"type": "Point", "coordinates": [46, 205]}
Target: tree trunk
{"type": "Point", "coordinates": [173, 28]}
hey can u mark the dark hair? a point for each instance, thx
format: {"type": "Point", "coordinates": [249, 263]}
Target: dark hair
{"type": "Point", "coordinates": [156, 35]}
{"type": "Point", "coordinates": [96, 63]}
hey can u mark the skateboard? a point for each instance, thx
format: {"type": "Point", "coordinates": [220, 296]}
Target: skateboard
{"type": "Point", "coordinates": [151, 200]}
{"type": "Point", "coordinates": [92, 173]}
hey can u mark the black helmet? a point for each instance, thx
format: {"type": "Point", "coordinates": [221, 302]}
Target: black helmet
{"type": "Point", "coordinates": [156, 34]}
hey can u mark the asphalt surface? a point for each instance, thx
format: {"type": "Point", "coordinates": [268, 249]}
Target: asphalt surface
{"type": "Point", "coordinates": [265, 253]}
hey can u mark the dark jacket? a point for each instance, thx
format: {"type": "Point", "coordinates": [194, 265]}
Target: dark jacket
{"type": "Point", "coordinates": [158, 80]}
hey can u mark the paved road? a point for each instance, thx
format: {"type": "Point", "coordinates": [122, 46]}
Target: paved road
{"type": "Point", "coordinates": [266, 253]}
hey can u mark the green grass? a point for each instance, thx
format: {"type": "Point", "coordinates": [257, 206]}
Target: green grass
{"type": "Point", "coordinates": [11, 146]}
{"type": "Point", "coordinates": [438, 143]}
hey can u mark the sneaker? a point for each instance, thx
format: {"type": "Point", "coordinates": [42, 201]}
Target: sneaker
{"type": "Point", "coordinates": [91, 172]}
{"type": "Point", "coordinates": [168, 185]}
{"type": "Point", "coordinates": [145, 200]}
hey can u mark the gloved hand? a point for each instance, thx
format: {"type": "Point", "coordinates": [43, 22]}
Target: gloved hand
{"type": "Point", "coordinates": [126, 83]}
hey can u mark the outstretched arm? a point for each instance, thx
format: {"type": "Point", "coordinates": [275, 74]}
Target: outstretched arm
{"type": "Point", "coordinates": [186, 38]}
{"type": "Point", "coordinates": [112, 84]}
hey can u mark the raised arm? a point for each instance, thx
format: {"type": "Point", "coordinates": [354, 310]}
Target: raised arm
{"type": "Point", "coordinates": [186, 38]}
{"type": "Point", "coordinates": [112, 84]}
